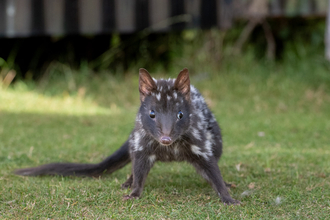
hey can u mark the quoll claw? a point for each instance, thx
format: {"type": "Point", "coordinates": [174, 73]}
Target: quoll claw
{"type": "Point", "coordinates": [231, 202]}
{"type": "Point", "coordinates": [127, 197]}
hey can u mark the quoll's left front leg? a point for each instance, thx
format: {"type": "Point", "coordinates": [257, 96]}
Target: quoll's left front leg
{"type": "Point", "coordinates": [210, 171]}
{"type": "Point", "coordinates": [141, 168]}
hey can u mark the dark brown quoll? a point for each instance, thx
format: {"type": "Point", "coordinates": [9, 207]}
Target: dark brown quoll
{"type": "Point", "coordinates": [173, 124]}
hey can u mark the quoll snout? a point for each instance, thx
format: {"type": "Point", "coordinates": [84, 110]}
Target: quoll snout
{"type": "Point", "coordinates": [165, 140]}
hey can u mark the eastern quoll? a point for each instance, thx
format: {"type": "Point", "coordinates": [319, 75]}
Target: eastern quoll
{"type": "Point", "coordinates": [173, 124]}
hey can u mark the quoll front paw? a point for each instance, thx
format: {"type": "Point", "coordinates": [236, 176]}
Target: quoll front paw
{"type": "Point", "coordinates": [129, 197]}
{"type": "Point", "coordinates": [230, 201]}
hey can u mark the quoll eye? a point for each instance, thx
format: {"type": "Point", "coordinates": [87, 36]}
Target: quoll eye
{"type": "Point", "coordinates": [180, 114]}
{"type": "Point", "coordinates": [152, 114]}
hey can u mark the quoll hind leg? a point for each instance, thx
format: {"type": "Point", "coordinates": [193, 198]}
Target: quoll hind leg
{"type": "Point", "coordinates": [211, 172]}
{"type": "Point", "coordinates": [128, 183]}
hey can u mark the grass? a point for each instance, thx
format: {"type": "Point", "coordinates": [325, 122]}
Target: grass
{"type": "Point", "coordinates": [275, 120]}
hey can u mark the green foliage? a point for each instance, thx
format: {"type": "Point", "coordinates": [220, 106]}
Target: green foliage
{"type": "Point", "coordinates": [295, 38]}
{"type": "Point", "coordinates": [275, 122]}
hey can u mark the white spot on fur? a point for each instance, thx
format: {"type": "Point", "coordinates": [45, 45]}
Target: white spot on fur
{"type": "Point", "coordinates": [136, 138]}
{"type": "Point", "coordinates": [169, 87]}
{"type": "Point", "coordinates": [198, 100]}
{"type": "Point", "coordinates": [200, 125]}
{"type": "Point", "coordinates": [196, 150]}
{"type": "Point", "coordinates": [136, 142]}
{"type": "Point", "coordinates": [209, 136]}
{"type": "Point", "coordinates": [152, 158]}
{"type": "Point", "coordinates": [161, 88]}
{"type": "Point", "coordinates": [139, 148]}
{"type": "Point", "coordinates": [142, 132]}
{"type": "Point", "coordinates": [154, 80]}
{"type": "Point", "coordinates": [195, 133]}
{"type": "Point", "coordinates": [200, 116]}
{"type": "Point", "coordinates": [177, 104]}
{"type": "Point", "coordinates": [138, 118]}
{"type": "Point", "coordinates": [158, 96]}
{"type": "Point", "coordinates": [169, 97]}
{"type": "Point", "coordinates": [208, 148]}
{"type": "Point", "coordinates": [175, 95]}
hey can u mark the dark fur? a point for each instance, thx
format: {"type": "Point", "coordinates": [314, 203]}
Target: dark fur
{"type": "Point", "coordinates": [195, 138]}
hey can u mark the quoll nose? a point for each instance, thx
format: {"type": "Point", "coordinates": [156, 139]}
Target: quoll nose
{"type": "Point", "coordinates": [165, 140]}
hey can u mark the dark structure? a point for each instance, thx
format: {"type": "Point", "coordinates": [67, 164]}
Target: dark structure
{"type": "Point", "coordinates": [24, 18]}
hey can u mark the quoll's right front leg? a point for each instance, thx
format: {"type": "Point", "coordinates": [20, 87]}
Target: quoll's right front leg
{"type": "Point", "coordinates": [141, 168]}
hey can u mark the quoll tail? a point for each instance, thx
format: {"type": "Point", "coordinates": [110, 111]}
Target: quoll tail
{"type": "Point", "coordinates": [112, 163]}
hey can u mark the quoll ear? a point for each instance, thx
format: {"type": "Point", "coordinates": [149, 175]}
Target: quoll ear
{"type": "Point", "coordinates": [182, 83]}
{"type": "Point", "coordinates": [146, 84]}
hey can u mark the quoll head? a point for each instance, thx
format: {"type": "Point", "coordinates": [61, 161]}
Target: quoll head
{"type": "Point", "coordinates": [165, 106]}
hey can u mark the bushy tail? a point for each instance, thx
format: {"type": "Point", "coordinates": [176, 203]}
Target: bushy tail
{"type": "Point", "coordinates": [112, 163]}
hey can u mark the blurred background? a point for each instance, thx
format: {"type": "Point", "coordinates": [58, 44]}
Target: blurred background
{"type": "Point", "coordinates": [38, 38]}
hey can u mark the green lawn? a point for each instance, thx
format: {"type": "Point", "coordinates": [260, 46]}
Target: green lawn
{"type": "Point", "coordinates": [276, 131]}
